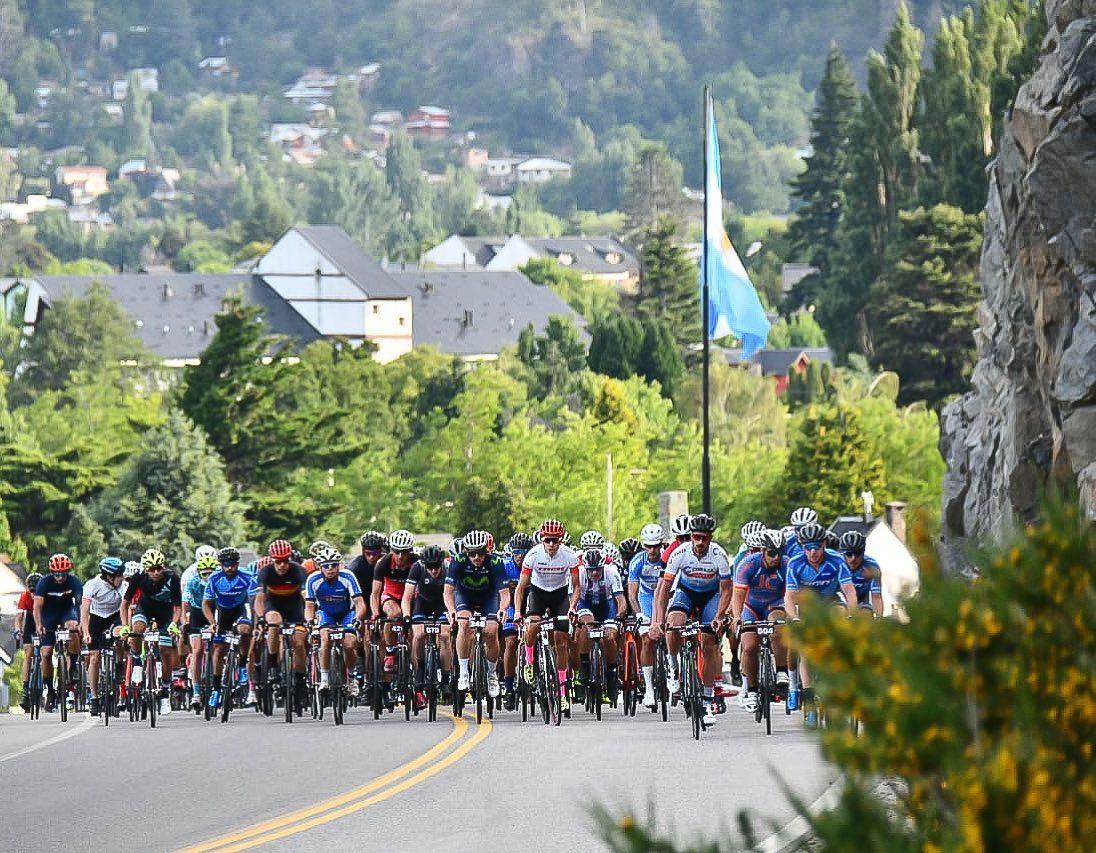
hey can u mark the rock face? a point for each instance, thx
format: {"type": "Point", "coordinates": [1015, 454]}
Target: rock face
{"type": "Point", "coordinates": [1030, 419]}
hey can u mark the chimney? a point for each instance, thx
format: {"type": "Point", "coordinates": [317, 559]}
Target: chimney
{"type": "Point", "coordinates": [466, 321]}
{"type": "Point", "coordinates": [896, 518]}
{"type": "Point", "coordinates": [166, 292]}
{"type": "Point", "coordinates": [199, 288]}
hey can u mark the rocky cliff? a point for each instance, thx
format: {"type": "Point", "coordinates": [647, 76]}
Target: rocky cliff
{"type": "Point", "coordinates": [1030, 419]}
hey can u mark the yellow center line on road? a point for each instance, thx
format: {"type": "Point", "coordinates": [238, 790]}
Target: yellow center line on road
{"type": "Point", "coordinates": [351, 801]}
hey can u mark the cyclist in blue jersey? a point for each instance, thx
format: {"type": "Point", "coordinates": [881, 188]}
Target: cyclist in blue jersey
{"type": "Point", "coordinates": [801, 516]}
{"type": "Point", "coordinates": [332, 597]}
{"type": "Point", "coordinates": [644, 572]}
{"type": "Point", "coordinates": [866, 573]}
{"type": "Point", "coordinates": [227, 604]}
{"type": "Point", "coordinates": [476, 581]}
{"type": "Point", "coordinates": [57, 600]}
{"type": "Point", "coordinates": [822, 573]}
{"type": "Point", "coordinates": [749, 541]}
{"type": "Point", "coordinates": [598, 597]}
{"type": "Point", "coordinates": [517, 548]}
{"type": "Point", "coordinates": [759, 585]}
{"type": "Point", "coordinates": [194, 619]}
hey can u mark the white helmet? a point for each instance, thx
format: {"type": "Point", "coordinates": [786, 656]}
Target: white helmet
{"type": "Point", "coordinates": [132, 568]}
{"type": "Point", "coordinates": [804, 515]}
{"type": "Point", "coordinates": [753, 540]}
{"type": "Point", "coordinates": [652, 534]}
{"type": "Point", "coordinates": [475, 540]}
{"type": "Point", "coordinates": [401, 540]}
{"type": "Point", "coordinates": [680, 525]}
{"type": "Point", "coordinates": [204, 551]}
{"type": "Point", "coordinates": [591, 539]}
{"type": "Point", "coordinates": [612, 552]}
{"type": "Point", "coordinates": [752, 527]}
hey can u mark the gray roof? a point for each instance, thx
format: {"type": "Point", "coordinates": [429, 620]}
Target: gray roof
{"type": "Point", "coordinates": [589, 253]}
{"type": "Point", "coordinates": [477, 312]}
{"type": "Point", "coordinates": [845, 523]}
{"type": "Point", "coordinates": [174, 312]}
{"type": "Point", "coordinates": [336, 245]}
{"type": "Point", "coordinates": [777, 362]}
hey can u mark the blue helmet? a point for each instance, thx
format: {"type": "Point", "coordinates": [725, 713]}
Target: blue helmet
{"type": "Point", "coordinates": [111, 566]}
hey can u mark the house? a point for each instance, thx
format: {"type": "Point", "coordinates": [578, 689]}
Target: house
{"type": "Point", "coordinates": [148, 79]}
{"type": "Point", "coordinates": [88, 219]}
{"type": "Point", "coordinates": [84, 183]}
{"type": "Point", "coordinates": [428, 122]}
{"type": "Point", "coordinates": [886, 542]}
{"type": "Point", "coordinates": [152, 182]}
{"type": "Point", "coordinates": [540, 170]}
{"type": "Point", "coordinates": [780, 363]}
{"type": "Point", "coordinates": [21, 299]}
{"type": "Point", "coordinates": [475, 158]}
{"type": "Point", "coordinates": [338, 289]}
{"type": "Point", "coordinates": [475, 314]}
{"type": "Point", "coordinates": [218, 67]}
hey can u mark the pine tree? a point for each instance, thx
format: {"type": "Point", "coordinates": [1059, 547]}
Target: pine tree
{"type": "Point", "coordinates": [659, 359]}
{"type": "Point", "coordinates": [653, 189]}
{"type": "Point", "coordinates": [616, 343]}
{"type": "Point", "coordinates": [669, 289]}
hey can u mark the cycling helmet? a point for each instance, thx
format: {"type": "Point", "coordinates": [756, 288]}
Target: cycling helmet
{"type": "Point", "coordinates": [804, 515]}
{"type": "Point", "coordinates": [772, 540]}
{"type": "Point", "coordinates": [204, 551]}
{"type": "Point", "coordinates": [521, 542]}
{"type": "Point", "coordinates": [833, 541]}
{"type": "Point", "coordinates": [111, 566]}
{"type": "Point", "coordinates": [753, 541]}
{"type": "Point", "coordinates": [652, 534]}
{"type": "Point", "coordinates": [228, 556]}
{"type": "Point", "coordinates": [476, 540]}
{"type": "Point", "coordinates": [280, 549]}
{"type": "Point", "coordinates": [628, 548]}
{"type": "Point", "coordinates": [33, 579]}
{"type": "Point", "coordinates": [702, 523]}
{"type": "Point", "coordinates": [207, 564]}
{"type": "Point", "coordinates": [261, 563]}
{"type": "Point", "coordinates": [593, 558]}
{"type": "Point", "coordinates": [456, 547]}
{"type": "Point", "coordinates": [853, 542]}
{"type": "Point", "coordinates": [680, 525]}
{"type": "Point", "coordinates": [612, 553]}
{"type": "Point", "coordinates": [752, 527]}
{"type": "Point", "coordinates": [552, 527]}
{"type": "Point", "coordinates": [132, 568]}
{"type": "Point", "coordinates": [59, 563]}
{"type": "Point", "coordinates": [371, 540]}
{"type": "Point", "coordinates": [433, 555]}
{"type": "Point", "coordinates": [152, 558]}
{"type": "Point", "coordinates": [591, 539]}
{"type": "Point", "coordinates": [317, 546]}
{"type": "Point", "coordinates": [788, 530]}
{"type": "Point", "coordinates": [329, 556]}
{"type": "Point", "coordinates": [566, 540]}
{"type": "Point", "coordinates": [811, 532]}
{"type": "Point", "coordinates": [401, 540]}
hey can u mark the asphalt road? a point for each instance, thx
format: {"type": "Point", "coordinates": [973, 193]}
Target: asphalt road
{"type": "Point", "coordinates": [258, 783]}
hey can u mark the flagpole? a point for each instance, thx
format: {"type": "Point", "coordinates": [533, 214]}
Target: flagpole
{"type": "Point", "coordinates": [706, 462]}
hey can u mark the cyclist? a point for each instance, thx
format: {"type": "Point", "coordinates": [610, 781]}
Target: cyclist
{"type": "Point", "coordinates": [55, 606]}
{"type": "Point", "coordinates": [792, 543]}
{"type": "Point", "coordinates": [25, 630]}
{"type": "Point", "coordinates": [424, 599]}
{"type": "Point", "coordinates": [759, 583]}
{"type": "Point", "coordinates": [547, 571]}
{"type": "Point", "coordinates": [866, 573]}
{"type": "Point", "coordinates": [184, 580]}
{"type": "Point", "coordinates": [99, 613]}
{"type": "Point", "coordinates": [749, 541]}
{"type": "Point", "coordinates": [518, 547]}
{"type": "Point", "coordinates": [310, 564]}
{"type": "Point", "coordinates": [476, 581]}
{"type": "Point", "coordinates": [159, 599]}
{"type": "Point", "coordinates": [227, 604]}
{"type": "Point", "coordinates": [598, 597]}
{"type": "Point", "coordinates": [389, 576]}
{"type": "Point", "coordinates": [704, 586]}
{"type": "Point", "coordinates": [280, 601]}
{"type": "Point", "coordinates": [194, 620]}
{"type": "Point", "coordinates": [332, 597]}
{"type": "Point", "coordinates": [363, 565]}
{"type": "Point", "coordinates": [679, 529]}
{"type": "Point", "coordinates": [823, 573]}
{"type": "Point", "coordinates": [644, 572]}
{"type": "Point", "coordinates": [612, 555]}
{"type": "Point", "coordinates": [591, 539]}
{"type": "Point", "coordinates": [628, 549]}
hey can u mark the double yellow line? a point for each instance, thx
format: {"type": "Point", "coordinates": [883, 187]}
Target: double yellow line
{"type": "Point", "coordinates": [377, 791]}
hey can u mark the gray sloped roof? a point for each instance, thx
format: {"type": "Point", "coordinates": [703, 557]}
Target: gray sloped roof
{"type": "Point", "coordinates": [347, 256]}
{"type": "Point", "coordinates": [590, 253]}
{"type": "Point", "coordinates": [499, 306]}
{"type": "Point", "coordinates": [845, 523]}
{"type": "Point", "coordinates": [175, 312]}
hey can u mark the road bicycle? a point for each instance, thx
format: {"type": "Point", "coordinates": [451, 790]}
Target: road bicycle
{"type": "Point", "coordinates": [61, 678]}
{"type": "Point", "coordinates": [230, 674]}
{"type": "Point", "coordinates": [337, 677]}
{"type": "Point", "coordinates": [403, 682]}
{"type": "Point", "coordinates": [35, 683]}
{"type": "Point", "coordinates": [629, 683]}
{"type": "Point", "coordinates": [432, 673]}
{"type": "Point", "coordinates": [692, 693]}
{"type": "Point", "coordinates": [108, 677]}
{"type": "Point", "coordinates": [659, 673]}
{"type": "Point", "coordinates": [595, 685]}
{"type": "Point", "coordinates": [766, 670]}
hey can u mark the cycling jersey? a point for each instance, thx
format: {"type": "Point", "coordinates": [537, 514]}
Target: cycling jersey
{"type": "Point", "coordinates": [513, 575]}
{"type": "Point", "coordinates": [742, 553]}
{"type": "Point", "coordinates": [334, 598]}
{"type": "Point", "coordinates": [59, 598]}
{"type": "Point", "coordinates": [104, 599]}
{"type": "Point", "coordinates": [549, 573]}
{"type": "Point", "coordinates": [668, 551]}
{"type": "Point", "coordinates": [826, 580]}
{"type": "Point", "coordinates": [645, 572]}
{"type": "Point", "coordinates": [792, 548]}
{"type": "Point", "coordinates": [471, 580]}
{"type": "Point", "coordinates": [428, 591]}
{"type": "Point", "coordinates": [698, 574]}
{"type": "Point", "coordinates": [284, 590]}
{"type": "Point", "coordinates": [362, 569]}
{"type": "Point", "coordinates": [228, 593]}
{"type": "Point", "coordinates": [596, 593]}
{"type": "Point", "coordinates": [392, 576]}
{"type": "Point", "coordinates": [193, 589]}
{"type": "Point", "coordinates": [866, 586]}
{"type": "Point", "coordinates": [765, 585]}
{"type": "Point", "coordinates": [164, 592]}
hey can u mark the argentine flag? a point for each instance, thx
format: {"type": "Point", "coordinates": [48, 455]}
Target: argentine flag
{"type": "Point", "coordinates": [733, 305]}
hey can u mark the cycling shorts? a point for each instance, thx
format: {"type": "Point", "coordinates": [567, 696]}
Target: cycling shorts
{"type": "Point", "coordinates": [326, 620]}
{"type": "Point", "coordinates": [646, 603]}
{"type": "Point", "coordinates": [760, 611]}
{"type": "Point", "coordinates": [701, 604]}
{"type": "Point", "coordinates": [148, 612]}
{"type": "Point", "coordinates": [553, 601]}
{"type": "Point", "coordinates": [486, 603]}
{"type": "Point", "coordinates": [228, 618]}
{"type": "Point", "coordinates": [863, 599]}
{"type": "Point", "coordinates": [99, 625]}
{"type": "Point", "coordinates": [196, 622]}
{"type": "Point", "coordinates": [292, 612]}
{"type": "Point", "coordinates": [422, 611]}
{"type": "Point", "coordinates": [602, 611]}
{"type": "Point", "coordinates": [29, 629]}
{"type": "Point", "coordinates": [52, 620]}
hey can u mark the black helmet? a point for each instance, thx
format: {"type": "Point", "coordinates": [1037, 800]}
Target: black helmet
{"type": "Point", "coordinates": [433, 555]}
{"type": "Point", "coordinates": [593, 558]}
{"type": "Point", "coordinates": [702, 523]}
{"type": "Point", "coordinates": [371, 540]}
{"type": "Point", "coordinates": [811, 532]}
{"type": "Point", "coordinates": [521, 542]}
{"type": "Point", "coordinates": [853, 542]}
{"type": "Point", "coordinates": [228, 556]}
{"type": "Point", "coordinates": [628, 548]}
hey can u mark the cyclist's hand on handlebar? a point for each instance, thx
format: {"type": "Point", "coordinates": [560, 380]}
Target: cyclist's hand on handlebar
{"type": "Point", "coordinates": [173, 630]}
{"type": "Point", "coordinates": [501, 615]}
{"type": "Point", "coordinates": [125, 632]}
{"type": "Point", "coordinates": [655, 632]}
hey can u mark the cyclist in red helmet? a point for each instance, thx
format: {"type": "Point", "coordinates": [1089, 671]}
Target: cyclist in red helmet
{"type": "Point", "coordinates": [56, 605]}
{"type": "Point", "coordinates": [280, 600]}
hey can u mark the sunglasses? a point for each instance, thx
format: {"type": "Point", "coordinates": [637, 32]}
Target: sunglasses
{"type": "Point", "coordinates": [550, 540]}
{"type": "Point", "coordinates": [154, 569]}
{"type": "Point", "coordinates": [701, 537]}
{"type": "Point", "coordinates": [520, 552]}
{"type": "Point", "coordinates": [812, 546]}
{"type": "Point", "coordinates": [769, 552]}
{"type": "Point", "coordinates": [402, 550]}
{"type": "Point", "coordinates": [854, 553]}
{"type": "Point", "coordinates": [477, 552]}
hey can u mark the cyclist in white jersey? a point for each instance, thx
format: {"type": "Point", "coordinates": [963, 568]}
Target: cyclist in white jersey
{"type": "Point", "coordinates": [547, 572]}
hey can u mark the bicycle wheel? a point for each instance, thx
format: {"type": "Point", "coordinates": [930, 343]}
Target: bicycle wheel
{"type": "Point", "coordinates": [662, 691]}
{"type": "Point", "coordinates": [553, 686]}
{"type": "Point", "coordinates": [289, 681]}
{"type": "Point", "coordinates": [35, 685]}
{"type": "Point", "coordinates": [630, 684]}
{"type": "Point", "coordinates": [228, 683]}
{"type": "Point", "coordinates": [81, 682]}
{"type": "Point", "coordinates": [407, 684]}
{"type": "Point", "coordinates": [768, 686]}
{"type": "Point", "coordinates": [338, 682]}
{"type": "Point", "coordinates": [596, 687]}
{"type": "Point", "coordinates": [690, 687]}
{"type": "Point", "coordinates": [151, 690]}
{"type": "Point", "coordinates": [207, 680]}
{"type": "Point", "coordinates": [430, 676]}
{"type": "Point", "coordinates": [377, 666]}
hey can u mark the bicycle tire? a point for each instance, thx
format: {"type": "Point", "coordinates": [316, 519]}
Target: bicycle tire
{"type": "Point", "coordinates": [544, 682]}
{"type": "Point", "coordinates": [690, 690]}
{"type": "Point", "coordinates": [377, 699]}
{"type": "Point", "coordinates": [228, 683]}
{"type": "Point", "coordinates": [337, 681]}
{"type": "Point", "coordinates": [662, 691]}
{"type": "Point", "coordinates": [151, 691]}
{"type": "Point", "coordinates": [407, 685]}
{"type": "Point", "coordinates": [289, 681]}
{"type": "Point", "coordinates": [34, 685]}
{"type": "Point", "coordinates": [106, 663]}
{"type": "Point", "coordinates": [60, 676]}
{"type": "Point", "coordinates": [597, 686]}
{"type": "Point", "coordinates": [81, 685]}
{"type": "Point", "coordinates": [553, 691]}
{"type": "Point", "coordinates": [430, 676]}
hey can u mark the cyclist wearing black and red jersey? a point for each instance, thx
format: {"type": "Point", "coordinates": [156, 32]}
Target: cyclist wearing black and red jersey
{"type": "Point", "coordinates": [56, 604]}
{"type": "Point", "coordinates": [423, 601]}
{"type": "Point", "coordinates": [280, 601]}
{"type": "Point", "coordinates": [389, 577]}
{"type": "Point", "coordinates": [159, 600]}
{"type": "Point", "coordinates": [679, 527]}
{"type": "Point", "coordinates": [24, 630]}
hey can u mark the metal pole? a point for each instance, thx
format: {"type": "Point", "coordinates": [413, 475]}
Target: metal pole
{"type": "Point", "coordinates": [609, 493]}
{"type": "Point", "coordinates": [706, 462]}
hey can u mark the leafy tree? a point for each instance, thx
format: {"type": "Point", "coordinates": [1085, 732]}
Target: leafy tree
{"type": "Point", "coordinates": [172, 495]}
{"type": "Point", "coordinates": [354, 196]}
{"type": "Point", "coordinates": [798, 330]}
{"type": "Point", "coordinates": [83, 540]}
{"type": "Point", "coordinates": [669, 290]}
{"type": "Point", "coordinates": [407, 183]}
{"type": "Point", "coordinates": [592, 299]}
{"type": "Point", "coordinates": [137, 127]}
{"type": "Point", "coordinates": [653, 189]}
{"type": "Point", "coordinates": [554, 357]}
{"type": "Point", "coordinates": [616, 344]}
{"type": "Point", "coordinates": [659, 359]}
{"type": "Point", "coordinates": [268, 216]}
{"type": "Point", "coordinates": [743, 408]}
{"type": "Point", "coordinates": [924, 304]}
{"type": "Point", "coordinates": [809, 386]}
{"type": "Point", "coordinates": [202, 256]}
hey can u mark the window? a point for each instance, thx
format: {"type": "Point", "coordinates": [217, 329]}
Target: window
{"type": "Point", "coordinates": [376, 309]}
{"type": "Point", "coordinates": [402, 320]}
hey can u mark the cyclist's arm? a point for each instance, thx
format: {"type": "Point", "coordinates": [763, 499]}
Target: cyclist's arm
{"type": "Point", "coordinates": [20, 618]}
{"type": "Point", "coordinates": [309, 610]}
{"type": "Point", "coordinates": [519, 594]}
{"type": "Point", "coordinates": [877, 603]}
{"type": "Point", "coordinates": [791, 602]}
{"type": "Point", "coordinates": [85, 617]}
{"type": "Point", "coordinates": [738, 600]}
{"type": "Point", "coordinates": [449, 596]}
{"type": "Point", "coordinates": [726, 592]}
{"type": "Point", "coordinates": [409, 591]}
{"type": "Point", "coordinates": [633, 597]}
{"type": "Point", "coordinates": [621, 605]}
{"type": "Point", "coordinates": [359, 607]}
{"type": "Point", "coordinates": [207, 609]}
{"type": "Point", "coordinates": [260, 601]}
{"type": "Point", "coordinates": [39, 603]}
{"type": "Point", "coordinates": [576, 594]}
{"type": "Point", "coordinates": [375, 597]}
{"type": "Point", "coordinates": [849, 591]}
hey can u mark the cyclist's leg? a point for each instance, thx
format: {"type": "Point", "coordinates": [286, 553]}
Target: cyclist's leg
{"type": "Point", "coordinates": [747, 646]}
{"type": "Point", "coordinates": [464, 645]}
{"type": "Point", "coordinates": [274, 633]}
